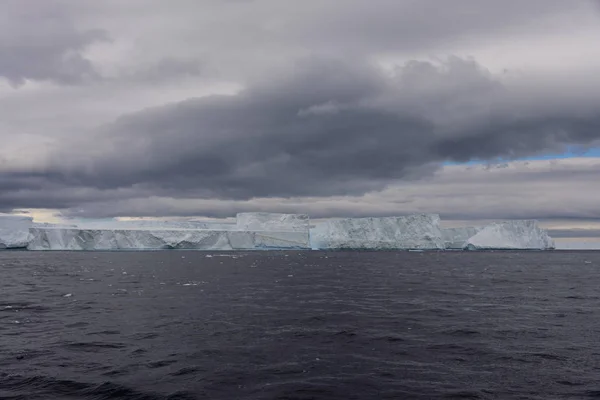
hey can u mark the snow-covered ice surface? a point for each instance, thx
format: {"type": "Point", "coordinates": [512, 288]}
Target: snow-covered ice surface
{"type": "Point", "coordinates": [137, 239]}
{"type": "Point", "coordinates": [143, 224]}
{"type": "Point", "coordinates": [456, 238]}
{"type": "Point", "coordinates": [410, 232]}
{"type": "Point", "coordinates": [511, 235]}
{"type": "Point", "coordinates": [273, 222]}
{"type": "Point", "coordinates": [52, 226]}
{"type": "Point", "coordinates": [14, 231]}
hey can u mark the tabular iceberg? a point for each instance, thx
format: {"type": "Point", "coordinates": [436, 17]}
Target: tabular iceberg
{"type": "Point", "coordinates": [267, 231]}
{"type": "Point", "coordinates": [511, 235]}
{"type": "Point", "coordinates": [152, 225]}
{"type": "Point", "coordinates": [273, 222]}
{"type": "Point", "coordinates": [409, 232]}
{"type": "Point", "coordinates": [253, 231]}
{"type": "Point", "coordinates": [14, 231]}
{"type": "Point", "coordinates": [52, 226]}
{"type": "Point", "coordinates": [456, 238]}
{"type": "Point", "coordinates": [137, 239]}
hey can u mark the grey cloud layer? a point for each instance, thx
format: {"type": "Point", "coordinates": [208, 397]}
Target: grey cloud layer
{"type": "Point", "coordinates": [47, 39]}
{"type": "Point", "coordinates": [545, 190]}
{"type": "Point", "coordinates": [574, 233]}
{"type": "Point", "coordinates": [40, 42]}
{"type": "Point", "coordinates": [317, 121]}
{"type": "Point", "coordinates": [327, 129]}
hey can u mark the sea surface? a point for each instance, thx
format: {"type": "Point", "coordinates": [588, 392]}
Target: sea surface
{"type": "Point", "coordinates": [299, 325]}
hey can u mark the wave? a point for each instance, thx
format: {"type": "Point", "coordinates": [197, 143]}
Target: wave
{"type": "Point", "coordinates": [44, 387]}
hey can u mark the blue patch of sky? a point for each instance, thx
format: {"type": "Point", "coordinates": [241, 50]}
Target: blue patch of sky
{"type": "Point", "coordinates": [570, 153]}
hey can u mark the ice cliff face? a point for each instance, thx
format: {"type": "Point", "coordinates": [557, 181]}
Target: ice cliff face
{"type": "Point", "coordinates": [273, 222]}
{"type": "Point", "coordinates": [456, 238]}
{"type": "Point", "coordinates": [14, 231]}
{"type": "Point", "coordinates": [511, 235]}
{"type": "Point", "coordinates": [410, 232]}
{"type": "Point", "coordinates": [263, 231]}
{"type": "Point", "coordinates": [253, 231]}
{"type": "Point", "coordinates": [91, 239]}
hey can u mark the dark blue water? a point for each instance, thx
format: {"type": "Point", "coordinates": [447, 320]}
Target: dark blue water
{"type": "Point", "coordinates": [299, 325]}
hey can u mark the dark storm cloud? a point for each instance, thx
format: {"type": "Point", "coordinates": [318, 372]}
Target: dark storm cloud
{"type": "Point", "coordinates": [257, 144]}
{"type": "Point", "coordinates": [45, 194]}
{"type": "Point", "coordinates": [327, 129]}
{"type": "Point", "coordinates": [542, 189]}
{"type": "Point", "coordinates": [40, 42]}
{"type": "Point", "coordinates": [316, 118]}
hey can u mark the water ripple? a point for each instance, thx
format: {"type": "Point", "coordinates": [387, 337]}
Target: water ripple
{"type": "Point", "coordinates": [299, 325]}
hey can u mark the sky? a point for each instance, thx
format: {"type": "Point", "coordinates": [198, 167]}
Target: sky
{"type": "Point", "coordinates": [474, 109]}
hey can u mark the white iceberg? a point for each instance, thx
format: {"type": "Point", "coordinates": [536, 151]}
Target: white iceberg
{"type": "Point", "coordinates": [253, 231]}
{"type": "Point", "coordinates": [14, 231]}
{"type": "Point", "coordinates": [511, 235]}
{"type": "Point", "coordinates": [137, 239]}
{"type": "Point", "coordinates": [456, 238]}
{"type": "Point", "coordinates": [266, 231]}
{"type": "Point", "coordinates": [273, 222]}
{"type": "Point", "coordinates": [404, 233]}
{"type": "Point", "coordinates": [50, 225]}
{"type": "Point", "coordinates": [143, 224]}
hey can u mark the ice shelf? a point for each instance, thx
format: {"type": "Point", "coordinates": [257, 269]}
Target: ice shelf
{"type": "Point", "coordinates": [409, 232]}
{"type": "Point", "coordinates": [137, 239]}
{"type": "Point", "coordinates": [14, 231]}
{"type": "Point", "coordinates": [511, 235]}
{"type": "Point", "coordinates": [253, 231]}
{"type": "Point", "coordinates": [140, 224]}
{"type": "Point", "coordinates": [456, 238]}
{"type": "Point", "coordinates": [267, 231]}
{"type": "Point", "coordinates": [273, 222]}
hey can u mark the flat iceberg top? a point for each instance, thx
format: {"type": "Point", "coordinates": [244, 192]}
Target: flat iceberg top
{"type": "Point", "coordinates": [52, 225]}
{"type": "Point", "coordinates": [4, 216]}
{"type": "Point", "coordinates": [141, 225]}
{"type": "Point", "coordinates": [407, 232]}
{"type": "Point", "coordinates": [511, 235]}
{"type": "Point", "coordinates": [257, 221]}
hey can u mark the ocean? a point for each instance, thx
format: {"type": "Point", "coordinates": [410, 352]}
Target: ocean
{"type": "Point", "coordinates": [299, 325]}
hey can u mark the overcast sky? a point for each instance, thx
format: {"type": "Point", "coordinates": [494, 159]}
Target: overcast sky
{"type": "Point", "coordinates": [336, 108]}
